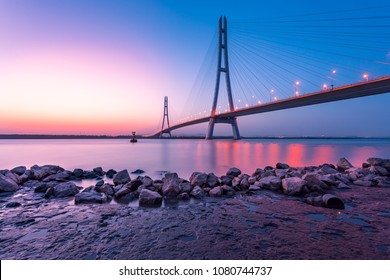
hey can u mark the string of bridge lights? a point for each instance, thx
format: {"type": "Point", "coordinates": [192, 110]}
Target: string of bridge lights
{"type": "Point", "coordinates": [273, 98]}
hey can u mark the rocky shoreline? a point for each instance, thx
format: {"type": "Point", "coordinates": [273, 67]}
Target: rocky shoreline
{"type": "Point", "coordinates": [23, 191]}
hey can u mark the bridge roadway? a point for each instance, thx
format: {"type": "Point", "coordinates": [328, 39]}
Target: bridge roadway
{"type": "Point", "coordinates": [361, 89]}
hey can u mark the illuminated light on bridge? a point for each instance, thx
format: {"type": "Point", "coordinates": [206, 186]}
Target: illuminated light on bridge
{"type": "Point", "coordinates": [365, 76]}
{"type": "Point", "coordinates": [296, 93]}
{"type": "Point", "coordinates": [324, 86]}
{"type": "Point", "coordinates": [259, 102]}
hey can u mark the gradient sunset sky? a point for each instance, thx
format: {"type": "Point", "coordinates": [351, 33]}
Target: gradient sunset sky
{"type": "Point", "coordinates": [104, 67]}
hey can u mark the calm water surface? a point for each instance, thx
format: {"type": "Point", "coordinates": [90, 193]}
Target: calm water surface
{"type": "Point", "coordinates": [186, 156]}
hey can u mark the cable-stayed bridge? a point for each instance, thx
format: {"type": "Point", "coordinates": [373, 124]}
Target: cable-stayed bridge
{"type": "Point", "coordinates": [262, 77]}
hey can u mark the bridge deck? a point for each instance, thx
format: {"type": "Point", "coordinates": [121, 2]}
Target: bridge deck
{"type": "Point", "coordinates": [368, 88]}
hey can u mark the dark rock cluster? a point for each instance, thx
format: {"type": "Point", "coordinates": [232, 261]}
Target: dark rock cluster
{"type": "Point", "coordinates": [316, 185]}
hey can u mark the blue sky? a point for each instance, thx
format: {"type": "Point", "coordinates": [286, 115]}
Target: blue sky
{"type": "Point", "coordinates": [103, 67]}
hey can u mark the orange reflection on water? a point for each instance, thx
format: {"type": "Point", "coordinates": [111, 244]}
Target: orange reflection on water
{"type": "Point", "coordinates": [295, 155]}
{"type": "Point", "coordinates": [323, 154]}
{"type": "Point", "coordinates": [273, 154]}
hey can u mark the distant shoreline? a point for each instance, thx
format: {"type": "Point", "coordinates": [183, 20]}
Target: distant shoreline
{"type": "Point", "coordinates": [46, 136]}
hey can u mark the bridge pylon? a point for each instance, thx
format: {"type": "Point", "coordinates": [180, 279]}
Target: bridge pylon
{"type": "Point", "coordinates": [166, 116]}
{"type": "Point", "coordinates": [222, 68]}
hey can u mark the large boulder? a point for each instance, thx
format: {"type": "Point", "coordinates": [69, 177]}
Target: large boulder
{"type": "Point", "coordinates": [212, 180]}
{"type": "Point", "coordinates": [63, 176]}
{"type": "Point", "coordinates": [293, 185]}
{"type": "Point", "coordinates": [272, 183]}
{"type": "Point", "coordinates": [65, 189]}
{"type": "Point", "coordinates": [90, 197]}
{"type": "Point", "coordinates": [171, 187]}
{"type": "Point", "coordinates": [234, 172]}
{"type": "Point", "coordinates": [149, 198]}
{"type": "Point", "coordinates": [200, 179]}
{"type": "Point", "coordinates": [343, 164]}
{"type": "Point", "coordinates": [122, 177]}
{"type": "Point", "coordinates": [78, 172]}
{"type": "Point", "coordinates": [106, 189]}
{"type": "Point", "coordinates": [314, 182]}
{"type": "Point", "coordinates": [19, 170]}
{"type": "Point", "coordinates": [40, 172]}
{"type": "Point", "coordinates": [133, 185]}
{"type": "Point", "coordinates": [280, 165]}
{"type": "Point", "coordinates": [226, 180]}
{"type": "Point", "coordinates": [99, 171]}
{"type": "Point", "coordinates": [216, 192]}
{"type": "Point", "coordinates": [327, 169]}
{"type": "Point", "coordinates": [375, 161]}
{"type": "Point", "coordinates": [14, 177]}
{"type": "Point", "coordinates": [185, 187]}
{"type": "Point", "coordinates": [110, 173]}
{"type": "Point", "coordinates": [7, 185]}
{"type": "Point", "coordinates": [197, 192]}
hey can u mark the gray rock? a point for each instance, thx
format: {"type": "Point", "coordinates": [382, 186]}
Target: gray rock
{"type": "Point", "coordinates": [106, 189]}
{"type": "Point", "coordinates": [149, 198]}
{"type": "Point", "coordinates": [197, 192]}
{"type": "Point", "coordinates": [12, 176]}
{"type": "Point", "coordinates": [254, 188]}
{"type": "Point", "coordinates": [386, 164]}
{"type": "Point", "coordinates": [327, 169]}
{"type": "Point", "coordinates": [133, 185]}
{"type": "Point", "coordinates": [226, 180]}
{"type": "Point", "coordinates": [281, 173]}
{"type": "Point", "coordinates": [19, 170]}
{"type": "Point", "coordinates": [258, 172]}
{"type": "Point", "coordinates": [212, 180]}
{"type": "Point", "coordinates": [313, 180]}
{"type": "Point", "coordinates": [379, 170]}
{"type": "Point", "coordinates": [234, 172]}
{"type": "Point", "coordinates": [343, 164]}
{"type": "Point", "coordinates": [99, 171]}
{"type": "Point", "coordinates": [110, 173]}
{"type": "Point", "coordinates": [7, 185]}
{"type": "Point", "coordinates": [171, 188]}
{"type": "Point", "coordinates": [147, 182]}
{"type": "Point", "coordinates": [90, 197]}
{"type": "Point", "coordinates": [271, 183]}
{"type": "Point", "coordinates": [315, 201]}
{"type": "Point", "coordinates": [121, 191]}
{"type": "Point", "coordinates": [236, 182]}
{"type": "Point", "coordinates": [342, 177]}
{"type": "Point", "coordinates": [252, 180]}
{"type": "Point", "coordinates": [185, 187]}
{"type": "Point", "coordinates": [138, 171]}
{"type": "Point", "coordinates": [78, 172]}
{"type": "Point", "coordinates": [65, 189]}
{"type": "Point", "coordinates": [183, 196]}
{"type": "Point", "coordinates": [244, 184]}
{"type": "Point", "coordinates": [280, 165]}
{"type": "Point", "coordinates": [200, 179]}
{"type": "Point", "coordinates": [99, 183]}
{"type": "Point", "coordinates": [63, 176]}
{"type": "Point", "coordinates": [40, 187]}
{"type": "Point", "coordinates": [90, 174]}
{"type": "Point", "coordinates": [40, 172]}
{"type": "Point", "coordinates": [216, 192]}
{"type": "Point", "coordinates": [375, 161]}
{"type": "Point", "coordinates": [122, 177]}
{"type": "Point", "coordinates": [293, 185]}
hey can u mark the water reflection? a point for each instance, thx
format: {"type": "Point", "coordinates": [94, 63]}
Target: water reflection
{"type": "Point", "coordinates": [186, 156]}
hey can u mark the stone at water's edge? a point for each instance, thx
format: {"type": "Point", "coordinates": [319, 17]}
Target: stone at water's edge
{"type": "Point", "coordinates": [212, 180]}
{"type": "Point", "coordinates": [78, 172]}
{"type": "Point", "coordinates": [122, 177]}
{"type": "Point", "coordinates": [233, 172]}
{"type": "Point", "coordinates": [199, 179]}
{"type": "Point", "coordinates": [65, 189]}
{"type": "Point", "coordinates": [280, 165]}
{"type": "Point", "coordinates": [171, 187]}
{"type": "Point", "coordinates": [293, 185]}
{"type": "Point", "coordinates": [343, 164]}
{"type": "Point", "coordinates": [90, 197]}
{"type": "Point", "coordinates": [197, 192]}
{"type": "Point", "coordinates": [149, 198]}
{"type": "Point", "coordinates": [7, 185]}
{"type": "Point", "coordinates": [19, 170]}
{"type": "Point", "coordinates": [216, 192]}
{"type": "Point", "coordinates": [110, 173]}
{"type": "Point", "coordinates": [272, 183]}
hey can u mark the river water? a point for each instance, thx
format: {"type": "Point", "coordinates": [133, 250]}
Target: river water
{"type": "Point", "coordinates": [185, 156]}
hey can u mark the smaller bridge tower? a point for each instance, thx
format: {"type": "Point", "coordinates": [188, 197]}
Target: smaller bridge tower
{"type": "Point", "coordinates": [166, 116]}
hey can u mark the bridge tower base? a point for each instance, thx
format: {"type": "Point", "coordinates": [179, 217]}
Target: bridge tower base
{"type": "Point", "coordinates": [222, 67]}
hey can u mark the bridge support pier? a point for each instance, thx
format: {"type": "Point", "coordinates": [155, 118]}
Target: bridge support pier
{"type": "Point", "coordinates": [231, 121]}
{"type": "Point", "coordinates": [222, 67]}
